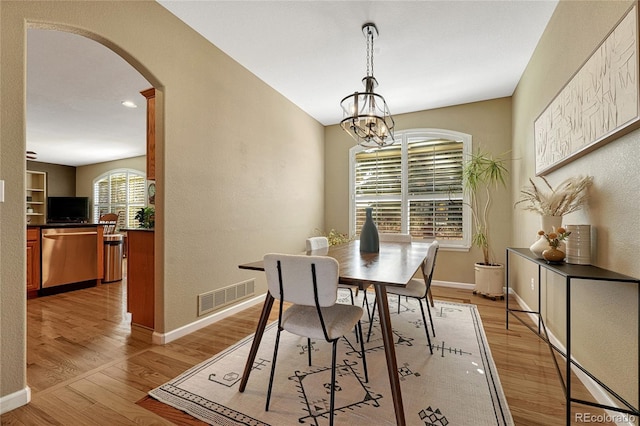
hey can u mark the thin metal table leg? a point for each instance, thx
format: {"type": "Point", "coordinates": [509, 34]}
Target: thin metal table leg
{"type": "Point", "coordinates": [390, 352]}
{"type": "Point", "coordinates": [568, 334]}
{"type": "Point", "coordinates": [539, 296]}
{"type": "Point", "coordinates": [262, 323]}
{"type": "Point", "coordinates": [507, 295]}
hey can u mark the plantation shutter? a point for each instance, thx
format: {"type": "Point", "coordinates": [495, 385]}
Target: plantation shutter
{"type": "Point", "coordinates": [435, 197]}
{"type": "Point", "coordinates": [414, 186]}
{"type": "Point", "coordinates": [122, 192]}
{"type": "Point", "coordinates": [378, 184]}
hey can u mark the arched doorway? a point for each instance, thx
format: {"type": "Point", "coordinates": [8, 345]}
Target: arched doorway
{"type": "Point", "coordinates": [76, 119]}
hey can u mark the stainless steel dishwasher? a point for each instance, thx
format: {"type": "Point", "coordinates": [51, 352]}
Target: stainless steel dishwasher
{"type": "Point", "coordinates": [69, 255]}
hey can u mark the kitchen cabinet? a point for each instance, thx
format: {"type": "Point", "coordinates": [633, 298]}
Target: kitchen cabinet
{"type": "Point", "coordinates": [36, 209]}
{"type": "Point", "coordinates": [150, 94]}
{"type": "Point", "coordinates": [33, 262]}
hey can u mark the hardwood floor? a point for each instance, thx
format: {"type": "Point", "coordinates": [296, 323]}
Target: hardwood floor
{"type": "Point", "coordinates": [85, 367]}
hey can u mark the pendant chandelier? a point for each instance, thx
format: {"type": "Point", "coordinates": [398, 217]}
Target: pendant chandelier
{"type": "Point", "coordinates": [365, 115]}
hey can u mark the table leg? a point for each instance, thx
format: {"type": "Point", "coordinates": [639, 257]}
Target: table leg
{"type": "Point", "coordinates": [262, 323]}
{"type": "Point", "coordinates": [390, 351]}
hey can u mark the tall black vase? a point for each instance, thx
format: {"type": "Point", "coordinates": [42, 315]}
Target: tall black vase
{"type": "Point", "coordinates": [369, 242]}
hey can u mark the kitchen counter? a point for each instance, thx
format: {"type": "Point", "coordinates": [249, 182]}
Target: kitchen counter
{"type": "Point", "coordinates": [63, 257]}
{"type": "Point", "coordinates": [64, 225]}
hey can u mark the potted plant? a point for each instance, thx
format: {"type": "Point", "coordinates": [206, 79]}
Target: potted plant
{"type": "Point", "coordinates": [146, 217]}
{"type": "Point", "coordinates": [481, 175]}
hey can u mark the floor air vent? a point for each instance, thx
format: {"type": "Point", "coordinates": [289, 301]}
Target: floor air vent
{"type": "Point", "coordinates": [216, 299]}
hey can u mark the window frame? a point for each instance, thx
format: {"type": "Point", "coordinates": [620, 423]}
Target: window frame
{"type": "Point", "coordinates": [403, 138]}
{"type": "Point", "coordinates": [127, 204]}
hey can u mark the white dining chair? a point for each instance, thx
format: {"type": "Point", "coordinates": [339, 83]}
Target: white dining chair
{"type": "Point", "coordinates": [310, 284]}
{"type": "Point", "coordinates": [394, 238]}
{"type": "Point", "coordinates": [317, 244]}
{"type": "Point", "coordinates": [418, 288]}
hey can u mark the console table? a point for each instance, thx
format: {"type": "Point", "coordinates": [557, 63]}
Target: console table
{"type": "Point", "coordinates": [570, 273]}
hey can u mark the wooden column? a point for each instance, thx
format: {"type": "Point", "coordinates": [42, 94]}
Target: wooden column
{"type": "Point", "coordinates": [150, 94]}
{"type": "Point", "coordinates": [140, 276]}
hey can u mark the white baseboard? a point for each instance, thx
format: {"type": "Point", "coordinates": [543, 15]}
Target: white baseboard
{"type": "Point", "coordinates": [453, 284]}
{"type": "Point", "coordinates": [15, 400]}
{"type": "Point", "coordinates": [164, 338]}
{"type": "Point", "coordinates": [599, 394]}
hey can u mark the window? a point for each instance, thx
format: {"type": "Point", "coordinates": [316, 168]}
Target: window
{"type": "Point", "coordinates": [414, 186]}
{"type": "Point", "coordinates": [116, 191]}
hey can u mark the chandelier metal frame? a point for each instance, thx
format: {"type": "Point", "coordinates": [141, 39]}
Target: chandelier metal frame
{"type": "Point", "coordinates": [366, 116]}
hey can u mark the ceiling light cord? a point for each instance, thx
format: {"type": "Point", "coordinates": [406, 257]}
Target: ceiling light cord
{"type": "Point", "coordinates": [369, 51]}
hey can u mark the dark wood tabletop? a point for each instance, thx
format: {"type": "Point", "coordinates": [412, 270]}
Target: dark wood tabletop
{"type": "Point", "coordinates": [395, 264]}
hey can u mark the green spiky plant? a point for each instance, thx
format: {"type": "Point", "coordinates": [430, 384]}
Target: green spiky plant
{"type": "Point", "coordinates": [146, 217]}
{"type": "Point", "coordinates": [482, 174]}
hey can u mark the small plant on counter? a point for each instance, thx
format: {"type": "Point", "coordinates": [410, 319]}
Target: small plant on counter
{"type": "Point", "coordinates": [554, 238]}
{"type": "Point", "coordinates": [146, 217]}
{"type": "Point", "coordinates": [334, 237]}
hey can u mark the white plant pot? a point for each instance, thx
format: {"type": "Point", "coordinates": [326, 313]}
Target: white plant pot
{"type": "Point", "coordinates": [489, 280]}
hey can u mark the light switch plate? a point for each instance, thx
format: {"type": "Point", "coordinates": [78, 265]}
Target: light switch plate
{"type": "Point", "coordinates": [1, 191]}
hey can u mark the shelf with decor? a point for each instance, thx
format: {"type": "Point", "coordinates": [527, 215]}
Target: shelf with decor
{"type": "Point", "coordinates": [36, 201]}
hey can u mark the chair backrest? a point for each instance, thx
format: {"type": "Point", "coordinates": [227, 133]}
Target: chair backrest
{"type": "Point", "coordinates": [109, 220]}
{"type": "Point", "coordinates": [315, 243]}
{"type": "Point", "coordinates": [293, 276]}
{"type": "Point", "coordinates": [429, 263]}
{"type": "Point", "coordinates": [395, 238]}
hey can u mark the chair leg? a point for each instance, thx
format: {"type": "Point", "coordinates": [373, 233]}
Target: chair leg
{"type": "Point", "coordinates": [433, 305]}
{"type": "Point", "coordinates": [309, 349]}
{"type": "Point", "coordinates": [333, 382]}
{"type": "Point", "coordinates": [365, 303]}
{"type": "Point", "coordinates": [364, 357]}
{"type": "Point", "coordinates": [398, 304]}
{"type": "Point", "coordinates": [373, 313]}
{"type": "Point", "coordinates": [430, 318]}
{"type": "Point", "coordinates": [273, 369]}
{"type": "Point", "coordinates": [353, 303]}
{"type": "Point", "coordinates": [426, 327]}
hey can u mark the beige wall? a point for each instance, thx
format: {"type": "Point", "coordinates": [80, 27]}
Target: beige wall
{"type": "Point", "coordinates": [605, 335]}
{"type": "Point", "coordinates": [239, 168]}
{"type": "Point", "coordinates": [489, 123]}
{"type": "Point", "coordinates": [61, 180]}
{"type": "Point", "coordinates": [85, 175]}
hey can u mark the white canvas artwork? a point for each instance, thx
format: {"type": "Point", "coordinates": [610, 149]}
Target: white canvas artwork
{"type": "Point", "coordinates": [596, 105]}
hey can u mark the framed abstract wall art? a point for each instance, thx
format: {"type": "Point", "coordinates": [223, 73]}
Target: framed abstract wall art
{"type": "Point", "coordinates": [599, 104]}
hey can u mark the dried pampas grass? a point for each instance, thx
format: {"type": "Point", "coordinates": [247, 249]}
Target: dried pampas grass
{"type": "Point", "coordinates": [568, 197]}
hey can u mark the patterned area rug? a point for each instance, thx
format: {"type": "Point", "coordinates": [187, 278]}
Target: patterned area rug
{"type": "Point", "coordinates": [457, 385]}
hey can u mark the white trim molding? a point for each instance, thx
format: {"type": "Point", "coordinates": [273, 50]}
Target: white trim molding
{"type": "Point", "coordinates": [164, 338]}
{"type": "Point", "coordinates": [15, 400]}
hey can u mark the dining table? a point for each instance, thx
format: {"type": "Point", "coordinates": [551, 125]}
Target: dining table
{"type": "Point", "coordinates": [394, 264]}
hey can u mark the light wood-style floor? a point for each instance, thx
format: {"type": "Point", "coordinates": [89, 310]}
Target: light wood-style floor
{"type": "Point", "coordinates": [85, 367]}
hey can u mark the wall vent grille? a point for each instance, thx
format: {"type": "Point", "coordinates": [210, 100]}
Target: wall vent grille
{"type": "Point", "coordinates": [216, 299]}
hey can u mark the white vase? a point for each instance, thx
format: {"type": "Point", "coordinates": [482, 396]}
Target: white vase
{"type": "Point", "coordinates": [539, 246]}
{"type": "Point", "coordinates": [550, 223]}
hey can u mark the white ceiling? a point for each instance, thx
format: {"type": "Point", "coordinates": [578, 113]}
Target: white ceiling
{"type": "Point", "coordinates": [429, 54]}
